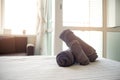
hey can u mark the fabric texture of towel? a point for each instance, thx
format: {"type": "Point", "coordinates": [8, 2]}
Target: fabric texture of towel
{"type": "Point", "coordinates": [65, 58]}
{"type": "Point", "coordinates": [89, 50]}
{"type": "Point", "coordinates": [68, 36]}
{"type": "Point", "coordinates": [75, 47]}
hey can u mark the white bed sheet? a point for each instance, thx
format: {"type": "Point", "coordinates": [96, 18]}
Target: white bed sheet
{"type": "Point", "coordinates": [46, 68]}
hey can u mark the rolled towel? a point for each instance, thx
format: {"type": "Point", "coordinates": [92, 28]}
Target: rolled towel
{"type": "Point", "coordinates": [89, 50]}
{"type": "Point", "coordinates": [75, 47]}
{"type": "Point", "coordinates": [65, 58]}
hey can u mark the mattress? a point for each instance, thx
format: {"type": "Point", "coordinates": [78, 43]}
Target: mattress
{"type": "Point", "coordinates": [46, 68]}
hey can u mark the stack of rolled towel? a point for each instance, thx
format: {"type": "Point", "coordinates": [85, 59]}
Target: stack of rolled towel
{"type": "Point", "coordinates": [79, 51]}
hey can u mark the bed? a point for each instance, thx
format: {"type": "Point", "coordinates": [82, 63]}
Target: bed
{"type": "Point", "coordinates": [46, 68]}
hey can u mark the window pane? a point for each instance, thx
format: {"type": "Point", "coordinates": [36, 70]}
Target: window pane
{"type": "Point", "coordinates": [93, 38]}
{"type": "Point", "coordinates": [113, 13]}
{"type": "Point", "coordinates": [113, 45]}
{"type": "Point", "coordinates": [83, 13]}
{"type": "Point", "coordinates": [20, 15]}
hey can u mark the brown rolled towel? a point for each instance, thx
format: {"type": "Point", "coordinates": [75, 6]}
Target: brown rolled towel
{"type": "Point", "coordinates": [65, 58]}
{"type": "Point", "coordinates": [75, 47]}
{"type": "Point", "coordinates": [89, 51]}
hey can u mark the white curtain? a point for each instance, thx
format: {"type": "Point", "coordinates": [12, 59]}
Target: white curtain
{"type": "Point", "coordinates": [41, 40]}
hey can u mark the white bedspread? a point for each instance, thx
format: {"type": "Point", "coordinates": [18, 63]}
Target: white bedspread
{"type": "Point", "coordinates": [46, 68]}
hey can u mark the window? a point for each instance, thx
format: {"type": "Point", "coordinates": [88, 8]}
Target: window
{"type": "Point", "coordinates": [20, 16]}
{"type": "Point", "coordinates": [88, 15]}
{"type": "Point", "coordinates": [84, 18]}
{"type": "Point", "coordinates": [83, 13]}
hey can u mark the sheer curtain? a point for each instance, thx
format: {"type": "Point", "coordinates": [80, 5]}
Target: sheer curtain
{"type": "Point", "coordinates": [41, 39]}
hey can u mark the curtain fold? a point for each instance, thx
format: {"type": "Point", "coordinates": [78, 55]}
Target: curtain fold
{"type": "Point", "coordinates": [41, 31]}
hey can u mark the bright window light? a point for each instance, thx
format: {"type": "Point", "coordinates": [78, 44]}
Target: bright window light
{"type": "Point", "coordinates": [20, 15]}
{"type": "Point", "coordinates": [82, 13]}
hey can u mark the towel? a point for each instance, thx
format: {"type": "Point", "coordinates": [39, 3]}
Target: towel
{"type": "Point", "coordinates": [90, 52]}
{"type": "Point", "coordinates": [65, 58]}
{"type": "Point", "coordinates": [75, 47]}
